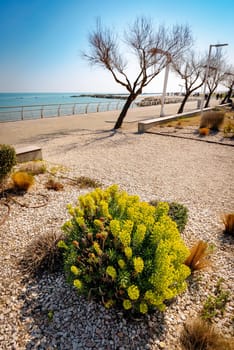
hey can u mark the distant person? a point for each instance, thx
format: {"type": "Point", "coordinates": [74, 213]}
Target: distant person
{"type": "Point", "coordinates": [217, 96]}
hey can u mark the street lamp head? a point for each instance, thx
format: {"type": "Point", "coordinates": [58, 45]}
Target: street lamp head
{"type": "Point", "coordinates": [219, 45]}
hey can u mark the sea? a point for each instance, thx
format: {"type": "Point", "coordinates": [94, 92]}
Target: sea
{"type": "Point", "coordinates": [21, 106]}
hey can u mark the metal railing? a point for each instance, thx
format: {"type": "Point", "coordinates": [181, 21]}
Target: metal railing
{"type": "Point", "coordinates": [16, 113]}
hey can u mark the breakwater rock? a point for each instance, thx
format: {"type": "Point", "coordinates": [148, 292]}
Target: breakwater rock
{"type": "Point", "coordinates": [155, 100]}
{"type": "Point", "coordinates": [111, 96]}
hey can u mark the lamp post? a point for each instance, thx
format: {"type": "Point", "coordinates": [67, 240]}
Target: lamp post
{"type": "Point", "coordinates": [181, 88]}
{"type": "Point", "coordinates": [153, 52]}
{"type": "Point", "coordinates": [207, 72]}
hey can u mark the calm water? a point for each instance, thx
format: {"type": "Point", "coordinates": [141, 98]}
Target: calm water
{"type": "Point", "coordinates": [69, 104]}
{"type": "Point", "coordinates": [33, 98]}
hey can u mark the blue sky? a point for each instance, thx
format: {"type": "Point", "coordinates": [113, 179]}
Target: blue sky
{"type": "Point", "coordinates": [41, 40]}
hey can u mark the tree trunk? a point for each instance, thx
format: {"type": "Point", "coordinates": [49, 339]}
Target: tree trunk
{"type": "Point", "coordinates": [208, 100]}
{"type": "Point", "coordinates": [181, 109]}
{"type": "Point", "coordinates": [227, 96]}
{"type": "Point", "coordinates": [123, 113]}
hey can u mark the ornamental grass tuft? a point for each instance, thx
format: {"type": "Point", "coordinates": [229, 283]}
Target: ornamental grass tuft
{"type": "Point", "coordinates": [197, 259]}
{"type": "Point", "coordinates": [228, 220]}
{"type": "Point", "coordinates": [42, 254]}
{"type": "Point", "coordinates": [200, 335]}
{"type": "Point", "coordinates": [212, 120]}
{"type": "Point", "coordinates": [22, 180]}
{"type": "Point", "coordinates": [123, 252]}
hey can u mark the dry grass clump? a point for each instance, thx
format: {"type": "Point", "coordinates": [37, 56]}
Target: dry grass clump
{"type": "Point", "coordinates": [204, 131]}
{"type": "Point", "coordinates": [42, 254]}
{"type": "Point", "coordinates": [199, 335]}
{"type": "Point", "coordinates": [197, 258]}
{"type": "Point", "coordinates": [53, 184]}
{"type": "Point", "coordinates": [22, 180]}
{"type": "Point", "coordinates": [86, 182]}
{"type": "Point", "coordinates": [212, 120]}
{"type": "Point", "coordinates": [33, 167]}
{"type": "Point", "coordinates": [228, 220]}
{"type": "Point", "coordinates": [228, 130]}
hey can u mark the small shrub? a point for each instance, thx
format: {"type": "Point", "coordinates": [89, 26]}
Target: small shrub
{"type": "Point", "coordinates": [228, 130]}
{"type": "Point", "coordinates": [228, 220]}
{"type": "Point", "coordinates": [197, 258]}
{"type": "Point", "coordinates": [204, 131]}
{"type": "Point", "coordinates": [7, 160]}
{"type": "Point", "coordinates": [87, 182]}
{"type": "Point", "coordinates": [212, 120]}
{"type": "Point", "coordinates": [178, 213]}
{"type": "Point", "coordinates": [216, 304]}
{"type": "Point", "coordinates": [52, 184]}
{"type": "Point", "coordinates": [22, 180]}
{"type": "Point", "coordinates": [33, 168]}
{"type": "Point", "coordinates": [42, 254]}
{"type": "Point", "coordinates": [200, 335]}
{"type": "Point", "coordinates": [124, 252]}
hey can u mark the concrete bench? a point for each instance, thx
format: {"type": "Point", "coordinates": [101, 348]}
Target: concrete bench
{"type": "Point", "coordinates": [149, 123]}
{"type": "Point", "coordinates": [27, 153]}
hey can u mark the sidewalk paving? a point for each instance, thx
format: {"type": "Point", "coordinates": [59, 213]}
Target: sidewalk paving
{"type": "Point", "coordinates": [18, 132]}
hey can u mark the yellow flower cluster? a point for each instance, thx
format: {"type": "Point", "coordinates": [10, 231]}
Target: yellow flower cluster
{"type": "Point", "coordinates": [125, 234]}
{"type": "Point", "coordinates": [88, 203]}
{"type": "Point", "coordinates": [111, 271]}
{"type": "Point", "coordinates": [109, 303]}
{"type": "Point", "coordinates": [98, 224]}
{"type": "Point", "coordinates": [133, 292]}
{"type": "Point", "coordinates": [138, 264]}
{"type": "Point", "coordinates": [143, 307]}
{"type": "Point", "coordinates": [128, 252]}
{"type": "Point", "coordinates": [139, 235]}
{"type": "Point", "coordinates": [122, 205]}
{"type": "Point", "coordinates": [127, 304]}
{"type": "Point", "coordinates": [151, 298]}
{"type": "Point", "coordinates": [104, 211]}
{"type": "Point", "coordinates": [70, 209]}
{"type": "Point", "coordinates": [62, 244]}
{"type": "Point", "coordinates": [121, 263]}
{"type": "Point", "coordinates": [75, 270]}
{"type": "Point", "coordinates": [77, 283]}
{"type": "Point", "coordinates": [97, 248]}
{"type": "Point", "coordinates": [115, 228]}
{"type": "Point", "coordinates": [125, 238]}
{"type": "Point", "coordinates": [80, 221]}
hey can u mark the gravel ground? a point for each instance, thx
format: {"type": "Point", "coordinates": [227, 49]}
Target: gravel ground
{"type": "Point", "coordinates": [197, 174]}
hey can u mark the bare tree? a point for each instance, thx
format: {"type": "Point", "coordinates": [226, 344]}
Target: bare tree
{"type": "Point", "coordinates": [151, 49]}
{"type": "Point", "coordinates": [191, 70]}
{"type": "Point", "coordinates": [216, 73]}
{"type": "Point", "coordinates": [228, 81]}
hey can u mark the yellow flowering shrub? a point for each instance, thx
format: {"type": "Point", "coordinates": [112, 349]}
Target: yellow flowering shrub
{"type": "Point", "coordinates": [124, 252]}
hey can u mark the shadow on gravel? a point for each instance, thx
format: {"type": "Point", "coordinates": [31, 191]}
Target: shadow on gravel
{"type": "Point", "coordinates": [192, 137]}
{"type": "Point", "coordinates": [57, 318]}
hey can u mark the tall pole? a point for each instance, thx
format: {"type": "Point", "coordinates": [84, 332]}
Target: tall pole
{"type": "Point", "coordinates": [206, 77]}
{"type": "Point", "coordinates": [207, 72]}
{"type": "Point", "coordinates": [162, 114]}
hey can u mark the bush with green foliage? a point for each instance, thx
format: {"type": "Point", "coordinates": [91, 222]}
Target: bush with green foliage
{"type": "Point", "coordinates": [124, 252]}
{"type": "Point", "coordinates": [215, 305]}
{"type": "Point", "coordinates": [7, 160]}
{"type": "Point", "coordinates": [178, 213]}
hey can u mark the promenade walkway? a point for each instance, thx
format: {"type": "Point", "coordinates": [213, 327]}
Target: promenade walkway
{"type": "Point", "coordinates": [19, 132]}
